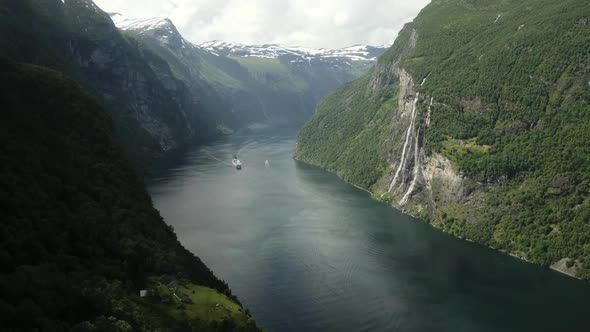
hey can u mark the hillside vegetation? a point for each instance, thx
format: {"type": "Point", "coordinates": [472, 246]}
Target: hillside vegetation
{"type": "Point", "coordinates": [502, 92]}
{"type": "Point", "coordinates": [79, 236]}
{"type": "Point", "coordinates": [153, 111]}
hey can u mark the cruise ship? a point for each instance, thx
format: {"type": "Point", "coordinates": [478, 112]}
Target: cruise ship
{"type": "Point", "coordinates": [237, 163]}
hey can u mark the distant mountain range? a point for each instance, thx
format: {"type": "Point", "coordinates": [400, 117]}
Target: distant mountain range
{"type": "Point", "coordinates": [164, 91]}
{"type": "Point", "coordinates": [297, 54]}
{"type": "Point", "coordinates": [268, 84]}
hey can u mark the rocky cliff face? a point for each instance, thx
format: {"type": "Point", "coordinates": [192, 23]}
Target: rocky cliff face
{"type": "Point", "coordinates": [464, 123]}
{"type": "Point", "coordinates": [155, 112]}
{"type": "Point", "coordinates": [415, 182]}
{"type": "Point", "coordinates": [110, 66]}
{"type": "Point", "coordinates": [185, 61]}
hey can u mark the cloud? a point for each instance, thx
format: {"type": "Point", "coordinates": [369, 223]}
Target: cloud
{"type": "Point", "coordinates": [312, 23]}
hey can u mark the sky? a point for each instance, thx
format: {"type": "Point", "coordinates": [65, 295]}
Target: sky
{"type": "Point", "coordinates": [308, 23]}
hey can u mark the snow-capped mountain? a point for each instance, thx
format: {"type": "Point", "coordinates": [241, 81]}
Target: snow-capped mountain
{"type": "Point", "coordinates": [161, 28]}
{"type": "Point", "coordinates": [127, 23]}
{"type": "Point", "coordinates": [166, 31]}
{"type": "Point", "coordinates": [302, 54]}
{"type": "Point", "coordinates": [270, 84]}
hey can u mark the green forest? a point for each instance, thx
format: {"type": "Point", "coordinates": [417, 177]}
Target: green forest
{"type": "Point", "coordinates": [79, 236]}
{"type": "Point", "coordinates": [510, 80]}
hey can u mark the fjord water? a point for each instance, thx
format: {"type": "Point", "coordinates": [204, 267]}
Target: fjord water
{"type": "Point", "coordinates": [305, 251]}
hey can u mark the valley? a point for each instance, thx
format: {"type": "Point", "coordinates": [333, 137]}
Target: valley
{"type": "Point", "coordinates": [157, 176]}
{"type": "Point", "coordinates": [265, 84]}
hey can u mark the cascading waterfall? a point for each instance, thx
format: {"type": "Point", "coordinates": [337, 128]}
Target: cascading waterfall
{"type": "Point", "coordinates": [409, 137]}
{"type": "Point", "coordinates": [429, 114]}
{"type": "Point", "coordinates": [394, 181]}
{"type": "Point", "coordinates": [416, 170]}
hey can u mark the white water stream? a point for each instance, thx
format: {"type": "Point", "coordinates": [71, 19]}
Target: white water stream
{"type": "Point", "coordinates": [416, 170]}
{"type": "Point", "coordinates": [409, 137]}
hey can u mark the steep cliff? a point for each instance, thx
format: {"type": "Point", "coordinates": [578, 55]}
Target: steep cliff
{"type": "Point", "coordinates": [476, 120]}
{"type": "Point", "coordinates": [154, 112]}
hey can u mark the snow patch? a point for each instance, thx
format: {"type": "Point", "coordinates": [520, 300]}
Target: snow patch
{"type": "Point", "coordinates": [128, 23]}
{"type": "Point", "coordinates": [273, 51]}
{"type": "Point", "coordinates": [343, 56]}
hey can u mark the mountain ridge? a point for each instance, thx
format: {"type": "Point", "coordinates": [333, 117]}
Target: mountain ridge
{"type": "Point", "coordinates": [270, 85]}
{"type": "Point", "coordinates": [153, 111]}
{"type": "Point", "coordinates": [475, 121]}
{"type": "Point", "coordinates": [357, 52]}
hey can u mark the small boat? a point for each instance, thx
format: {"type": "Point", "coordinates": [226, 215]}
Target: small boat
{"type": "Point", "coordinates": [237, 163]}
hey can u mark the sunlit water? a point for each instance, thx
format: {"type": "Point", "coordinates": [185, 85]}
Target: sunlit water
{"type": "Point", "coordinates": [305, 251]}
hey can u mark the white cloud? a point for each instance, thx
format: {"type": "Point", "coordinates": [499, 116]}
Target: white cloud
{"type": "Point", "coordinates": [313, 23]}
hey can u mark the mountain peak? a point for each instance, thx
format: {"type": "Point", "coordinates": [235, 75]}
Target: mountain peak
{"type": "Point", "coordinates": [129, 23]}
{"type": "Point", "coordinates": [164, 29]}
{"type": "Point", "coordinates": [297, 53]}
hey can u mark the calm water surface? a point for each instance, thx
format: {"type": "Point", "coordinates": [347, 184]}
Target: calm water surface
{"type": "Point", "coordinates": [305, 251]}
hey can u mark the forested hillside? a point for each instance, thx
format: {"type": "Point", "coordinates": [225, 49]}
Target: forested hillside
{"type": "Point", "coordinates": [478, 121]}
{"type": "Point", "coordinates": [154, 112]}
{"type": "Point", "coordinates": [79, 237]}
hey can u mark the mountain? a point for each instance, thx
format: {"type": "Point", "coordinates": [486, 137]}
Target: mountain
{"type": "Point", "coordinates": [476, 120]}
{"type": "Point", "coordinates": [154, 111]}
{"type": "Point", "coordinates": [344, 56]}
{"type": "Point", "coordinates": [268, 84]}
{"type": "Point", "coordinates": [79, 236]}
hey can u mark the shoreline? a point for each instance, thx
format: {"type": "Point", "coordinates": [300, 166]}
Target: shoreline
{"type": "Point", "coordinates": [440, 229]}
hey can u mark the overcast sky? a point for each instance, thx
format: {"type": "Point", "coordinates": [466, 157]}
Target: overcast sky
{"type": "Point", "coordinates": [311, 23]}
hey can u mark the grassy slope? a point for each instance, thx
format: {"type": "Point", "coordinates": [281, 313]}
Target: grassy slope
{"type": "Point", "coordinates": [207, 309]}
{"type": "Point", "coordinates": [79, 235]}
{"type": "Point", "coordinates": [516, 91]}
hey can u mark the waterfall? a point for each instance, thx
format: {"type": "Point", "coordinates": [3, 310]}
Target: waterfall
{"type": "Point", "coordinates": [429, 113]}
{"type": "Point", "coordinates": [393, 182]}
{"type": "Point", "coordinates": [424, 79]}
{"type": "Point", "coordinates": [409, 136]}
{"type": "Point", "coordinates": [416, 170]}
